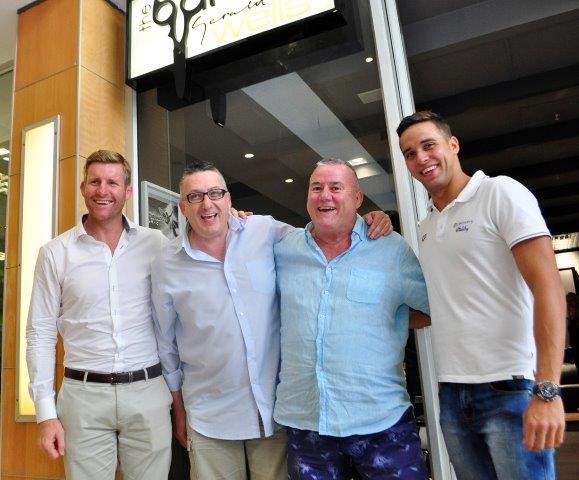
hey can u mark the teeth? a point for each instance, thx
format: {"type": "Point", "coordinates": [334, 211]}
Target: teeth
{"type": "Point", "coordinates": [213, 215]}
{"type": "Point", "coordinates": [103, 202]}
{"type": "Point", "coordinates": [429, 169]}
{"type": "Point", "coordinates": [326, 209]}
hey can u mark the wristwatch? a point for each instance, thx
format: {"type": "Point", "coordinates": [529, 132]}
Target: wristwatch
{"type": "Point", "coordinates": [547, 391]}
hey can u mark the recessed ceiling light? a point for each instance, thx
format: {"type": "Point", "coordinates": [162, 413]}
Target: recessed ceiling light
{"type": "Point", "coordinates": [357, 161]}
{"type": "Point", "coordinates": [369, 59]}
{"type": "Point", "coordinates": [3, 151]}
{"type": "Point", "coordinates": [289, 180]}
{"type": "Point", "coordinates": [249, 155]}
{"type": "Point", "coordinates": [6, 158]}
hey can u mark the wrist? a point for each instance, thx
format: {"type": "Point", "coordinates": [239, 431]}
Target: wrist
{"type": "Point", "coordinates": [547, 391]}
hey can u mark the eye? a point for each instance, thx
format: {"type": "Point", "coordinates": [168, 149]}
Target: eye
{"type": "Point", "coordinates": [429, 145]}
{"type": "Point", "coordinates": [336, 188]}
{"type": "Point", "coordinates": [316, 188]}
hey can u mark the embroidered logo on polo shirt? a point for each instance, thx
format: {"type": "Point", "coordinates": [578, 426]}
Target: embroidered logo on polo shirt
{"type": "Point", "coordinates": [462, 226]}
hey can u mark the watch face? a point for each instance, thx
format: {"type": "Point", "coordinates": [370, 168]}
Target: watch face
{"type": "Point", "coordinates": [547, 390]}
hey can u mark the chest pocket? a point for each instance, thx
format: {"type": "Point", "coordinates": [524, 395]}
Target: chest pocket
{"type": "Point", "coordinates": [366, 286]}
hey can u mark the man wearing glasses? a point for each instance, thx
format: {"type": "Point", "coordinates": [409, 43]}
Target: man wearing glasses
{"type": "Point", "coordinates": [217, 315]}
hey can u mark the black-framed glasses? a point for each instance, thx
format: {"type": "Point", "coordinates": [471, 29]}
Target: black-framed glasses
{"type": "Point", "coordinates": [213, 194]}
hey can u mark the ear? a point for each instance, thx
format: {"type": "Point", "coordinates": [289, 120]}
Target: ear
{"type": "Point", "coordinates": [454, 144]}
{"type": "Point", "coordinates": [359, 199]}
{"type": "Point", "coordinates": [182, 204]}
{"type": "Point", "coordinates": [128, 192]}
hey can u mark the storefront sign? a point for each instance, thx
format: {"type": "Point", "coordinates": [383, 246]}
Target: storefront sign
{"type": "Point", "coordinates": [164, 32]}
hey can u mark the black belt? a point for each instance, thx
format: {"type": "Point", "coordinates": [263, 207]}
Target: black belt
{"type": "Point", "coordinates": [114, 378]}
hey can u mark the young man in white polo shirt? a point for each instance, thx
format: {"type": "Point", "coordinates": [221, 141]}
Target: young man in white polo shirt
{"type": "Point", "coordinates": [498, 311]}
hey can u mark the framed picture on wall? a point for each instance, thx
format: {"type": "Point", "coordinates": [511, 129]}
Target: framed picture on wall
{"type": "Point", "coordinates": [160, 209]}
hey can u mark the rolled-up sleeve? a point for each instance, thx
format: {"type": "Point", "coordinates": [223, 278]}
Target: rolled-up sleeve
{"type": "Point", "coordinates": [165, 319]}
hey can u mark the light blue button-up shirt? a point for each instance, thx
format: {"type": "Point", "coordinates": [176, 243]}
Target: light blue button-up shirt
{"type": "Point", "coordinates": [344, 328]}
{"type": "Point", "coordinates": [218, 328]}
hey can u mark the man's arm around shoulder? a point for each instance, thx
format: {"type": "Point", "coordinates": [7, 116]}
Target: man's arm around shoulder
{"type": "Point", "coordinates": [544, 422]}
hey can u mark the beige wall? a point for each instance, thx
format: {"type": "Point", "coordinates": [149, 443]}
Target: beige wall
{"type": "Point", "coordinates": [82, 80]}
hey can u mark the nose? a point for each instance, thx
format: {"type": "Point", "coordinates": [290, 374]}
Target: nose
{"type": "Point", "coordinates": [206, 200]}
{"type": "Point", "coordinates": [422, 156]}
{"type": "Point", "coordinates": [325, 193]}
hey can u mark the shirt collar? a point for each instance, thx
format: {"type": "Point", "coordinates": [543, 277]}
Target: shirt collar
{"type": "Point", "coordinates": [182, 241]}
{"type": "Point", "coordinates": [128, 226]}
{"type": "Point", "coordinates": [466, 193]}
{"type": "Point", "coordinates": [359, 232]}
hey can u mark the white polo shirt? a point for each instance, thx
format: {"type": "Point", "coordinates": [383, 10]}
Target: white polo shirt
{"type": "Point", "coordinates": [481, 307]}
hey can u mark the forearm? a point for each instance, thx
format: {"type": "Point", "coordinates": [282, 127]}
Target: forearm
{"type": "Point", "coordinates": [549, 330]}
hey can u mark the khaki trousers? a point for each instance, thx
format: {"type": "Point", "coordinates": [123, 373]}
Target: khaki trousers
{"type": "Point", "coordinates": [129, 422]}
{"type": "Point", "coordinates": [256, 459]}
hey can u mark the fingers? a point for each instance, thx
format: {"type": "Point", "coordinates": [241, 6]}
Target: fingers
{"type": "Point", "coordinates": [181, 438]}
{"type": "Point", "coordinates": [380, 226]}
{"type": "Point", "coordinates": [51, 438]}
{"type": "Point", "coordinates": [543, 425]}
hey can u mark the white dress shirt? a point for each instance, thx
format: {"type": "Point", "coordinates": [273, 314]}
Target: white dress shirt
{"type": "Point", "coordinates": [218, 328]}
{"type": "Point", "coordinates": [98, 301]}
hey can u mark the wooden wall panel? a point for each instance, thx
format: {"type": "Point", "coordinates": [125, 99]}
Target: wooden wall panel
{"type": "Point", "coordinates": [54, 95]}
{"type": "Point", "coordinates": [103, 41]}
{"type": "Point", "coordinates": [9, 321]}
{"type": "Point", "coordinates": [13, 225]}
{"type": "Point", "coordinates": [102, 115]}
{"type": "Point", "coordinates": [47, 73]}
{"type": "Point", "coordinates": [67, 194]}
{"type": "Point", "coordinates": [20, 455]}
{"type": "Point", "coordinates": [47, 40]}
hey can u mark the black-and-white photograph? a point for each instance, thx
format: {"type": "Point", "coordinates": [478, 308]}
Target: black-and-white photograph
{"type": "Point", "coordinates": [160, 209]}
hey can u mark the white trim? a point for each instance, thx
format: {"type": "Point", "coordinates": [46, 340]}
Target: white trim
{"type": "Point", "coordinates": [398, 101]}
{"type": "Point", "coordinates": [133, 150]}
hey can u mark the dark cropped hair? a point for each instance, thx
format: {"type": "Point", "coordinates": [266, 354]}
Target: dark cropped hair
{"type": "Point", "coordinates": [108, 156]}
{"type": "Point", "coordinates": [425, 116]}
{"type": "Point", "coordinates": [200, 167]}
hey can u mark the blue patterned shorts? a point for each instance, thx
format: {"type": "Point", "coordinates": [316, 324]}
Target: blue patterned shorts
{"type": "Point", "coordinates": [394, 453]}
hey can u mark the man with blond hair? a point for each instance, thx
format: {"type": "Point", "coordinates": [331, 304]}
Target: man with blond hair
{"type": "Point", "coordinates": [92, 286]}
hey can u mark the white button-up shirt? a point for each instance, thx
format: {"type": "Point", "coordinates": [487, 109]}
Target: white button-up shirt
{"type": "Point", "coordinates": [218, 328]}
{"type": "Point", "coordinates": [98, 301]}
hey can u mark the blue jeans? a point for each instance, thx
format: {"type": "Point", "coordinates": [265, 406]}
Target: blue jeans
{"type": "Point", "coordinates": [483, 430]}
{"type": "Point", "coordinates": [394, 453]}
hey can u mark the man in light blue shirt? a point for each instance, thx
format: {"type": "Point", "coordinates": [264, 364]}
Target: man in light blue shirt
{"type": "Point", "coordinates": [217, 317]}
{"type": "Point", "coordinates": [344, 310]}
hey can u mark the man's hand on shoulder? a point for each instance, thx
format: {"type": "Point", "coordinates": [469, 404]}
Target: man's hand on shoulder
{"type": "Point", "coordinates": [379, 224]}
{"type": "Point", "coordinates": [543, 424]}
{"type": "Point", "coordinates": [51, 438]}
{"type": "Point", "coordinates": [241, 214]}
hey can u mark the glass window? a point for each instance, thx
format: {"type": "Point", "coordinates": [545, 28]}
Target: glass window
{"type": "Point", "coordinates": [5, 120]}
{"type": "Point", "coordinates": [265, 120]}
{"type": "Point", "coordinates": [506, 77]}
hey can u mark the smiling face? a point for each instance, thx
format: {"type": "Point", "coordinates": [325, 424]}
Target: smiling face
{"type": "Point", "coordinates": [105, 191]}
{"type": "Point", "coordinates": [333, 199]}
{"type": "Point", "coordinates": [431, 157]}
{"type": "Point", "coordinates": [209, 218]}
